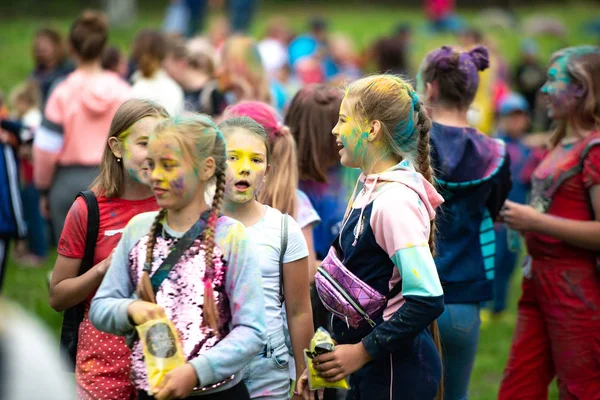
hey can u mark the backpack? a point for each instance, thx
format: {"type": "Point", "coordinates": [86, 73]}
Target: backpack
{"type": "Point", "coordinates": [73, 316]}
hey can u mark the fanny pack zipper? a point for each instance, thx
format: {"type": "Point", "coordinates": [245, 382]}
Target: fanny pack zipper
{"type": "Point", "coordinates": [346, 296]}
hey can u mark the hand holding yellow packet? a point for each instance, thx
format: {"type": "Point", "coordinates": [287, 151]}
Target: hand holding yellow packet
{"type": "Point", "coordinates": [320, 343]}
{"type": "Point", "coordinates": [161, 347]}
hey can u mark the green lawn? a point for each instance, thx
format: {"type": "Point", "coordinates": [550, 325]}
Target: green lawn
{"type": "Point", "coordinates": [363, 24]}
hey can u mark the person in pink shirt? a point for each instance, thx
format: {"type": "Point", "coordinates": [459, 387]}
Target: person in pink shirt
{"type": "Point", "coordinates": [68, 145]}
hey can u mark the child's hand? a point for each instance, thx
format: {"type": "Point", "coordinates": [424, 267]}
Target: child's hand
{"type": "Point", "coordinates": [302, 388]}
{"type": "Point", "coordinates": [177, 384]}
{"type": "Point", "coordinates": [341, 362]}
{"type": "Point", "coordinates": [143, 311]}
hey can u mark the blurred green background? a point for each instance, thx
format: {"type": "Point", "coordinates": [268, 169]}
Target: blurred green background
{"type": "Point", "coordinates": [363, 23]}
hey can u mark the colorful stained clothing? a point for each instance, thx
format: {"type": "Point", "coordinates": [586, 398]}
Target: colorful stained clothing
{"type": "Point", "coordinates": [238, 293]}
{"type": "Point", "coordinates": [103, 362]}
{"type": "Point", "coordinates": [267, 375]}
{"type": "Point", "coordinates": [558, 329]}
{"type": "Point", "coordinates": [473, 173]}
{"type": "Point", "coordinates": [384, 242]}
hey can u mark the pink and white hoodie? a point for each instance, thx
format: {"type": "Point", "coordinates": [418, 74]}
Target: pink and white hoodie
{"type": "Point", "coordinates": [76, 122]}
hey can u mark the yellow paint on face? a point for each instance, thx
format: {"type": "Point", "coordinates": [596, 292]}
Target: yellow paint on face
{"type": "Point", "coordinates": [173, 176]}
{"type": "Point", "coordinates": [352, 136]}
{"type": "Point", "coordinates": [246, 166]}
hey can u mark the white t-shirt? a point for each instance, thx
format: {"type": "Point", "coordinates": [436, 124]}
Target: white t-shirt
{"type": "Point", "coordinates": [306, 214]}
{"type": "Point", "coordinates": [266, 235]}
{"type": "Point", "coordinates": [162, 89]}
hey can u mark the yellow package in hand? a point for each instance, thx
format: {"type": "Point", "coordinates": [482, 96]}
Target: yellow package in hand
{"type": "Point", "coordinates": [320, 343]}
{"type": "Point", "coordinates": [161, 347]}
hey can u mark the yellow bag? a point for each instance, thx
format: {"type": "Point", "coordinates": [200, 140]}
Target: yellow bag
{"type": "Point", "coordinates": [162, 349]}
{"type": "Point", "coordinates": [321, 343]}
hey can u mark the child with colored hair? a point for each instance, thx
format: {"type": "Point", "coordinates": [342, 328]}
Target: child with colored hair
{"type": "Point", "coordinates": [280, 189]}
{"type": "Point", "coordinates": [212, 293]}
{"type": "Point", "coordinates": [558, 329]}
{"type": "Point", "coordinates": [282, 256]}
{"type": "Point", "coordinates": [472, 172]}
{"type": "Point", "coordinates": [102, 365]}
{"type": "Point", "coordinates": [68, 146]}
{"type": "Point", "coordinates": [385, 242]}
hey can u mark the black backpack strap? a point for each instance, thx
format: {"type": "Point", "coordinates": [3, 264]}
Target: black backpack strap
{"type": "Point", "coordinates": [282, 250]}
{"type": "Point", "coordinates": [93, 226]}
{"type": "Point", "coordinates": [73, 316]}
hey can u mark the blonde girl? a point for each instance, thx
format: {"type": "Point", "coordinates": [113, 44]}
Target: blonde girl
{"type": "Point", "coordinates": [212, 294]}
{"type": "Point", "coordinates": [122, 191]}
{"type": "Point", "coordinates": [385, 242]}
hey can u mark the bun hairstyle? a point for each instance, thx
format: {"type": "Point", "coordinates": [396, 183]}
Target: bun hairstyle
{"type": "Point", "coordinates": [456, 74]}
{"type": "Point", "coordinates": [199, 138]}
{"type": "Point", "coordinates": [311, 116]}
{"type": "Point", "coordinates": [149, 51]}
{"type": "Point", "coordinates": [280, 189]}
{"type": "Point", "coordinates": [88, 35]}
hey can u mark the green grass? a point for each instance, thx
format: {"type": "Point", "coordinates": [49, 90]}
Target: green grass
{"type": "Point", "coordinates": [363, 23]}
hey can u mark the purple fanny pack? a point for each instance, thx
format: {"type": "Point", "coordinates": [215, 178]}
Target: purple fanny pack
{"type": "Point", "coordinates": [348, 297]}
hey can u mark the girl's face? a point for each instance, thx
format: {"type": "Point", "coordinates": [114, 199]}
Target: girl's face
{"type": "Point", "coordinates": [351, 138]}
{"type": "Point", "coordinates": [560, 90]}
{"type": "Point", "coordinates": [246, 166]}
{"type": "Point", "coordinates": [173, 176]}
{"type": "Point", "coordinates": [135, 150]}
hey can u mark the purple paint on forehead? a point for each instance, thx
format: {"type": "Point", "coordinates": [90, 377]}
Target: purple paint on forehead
{"type": "Point", "coordinates": [469, 63]}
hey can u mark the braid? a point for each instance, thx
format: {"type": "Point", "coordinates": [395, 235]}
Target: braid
{"type": "Point", "coordinates": [210, 308]}
{"type": "Point", "coordinates": [152, 236]}
{"type": "Point", "coordinates": [423, 159]}
{"type": "Point", "coordinates": [144, 289]}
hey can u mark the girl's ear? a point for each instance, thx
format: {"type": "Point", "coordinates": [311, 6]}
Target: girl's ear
{"type": "Point", "coordinates": [374, 131]}
{"type": "Point", "coordinates": [431, 91]}
{"type": "Point", "coordinates": [267, 172]}
{"type": "Point", "coordinates": [208, 169]}
{"type": "Point", "coordinates": [115, 147]}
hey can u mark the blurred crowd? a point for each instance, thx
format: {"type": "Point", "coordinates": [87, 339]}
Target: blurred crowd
{"type": "Point", "coordinates": [55, 125]}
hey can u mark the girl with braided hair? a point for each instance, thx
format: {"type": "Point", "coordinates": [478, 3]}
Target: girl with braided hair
{"type": "Point", "coordinates": [472, 172]}
{"type": "Point", "coordinates": [385, 242]}
{"type": "Point", "coordinates": [212, 293]}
